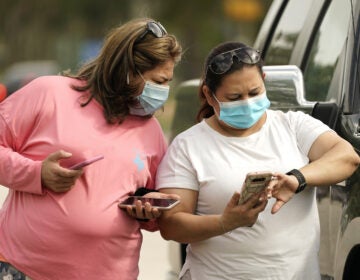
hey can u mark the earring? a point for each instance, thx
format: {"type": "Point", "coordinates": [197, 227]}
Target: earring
{"type": "Point", "coordinates": [127, 78]}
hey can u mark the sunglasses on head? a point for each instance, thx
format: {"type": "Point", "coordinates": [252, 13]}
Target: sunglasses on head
{"type": "Point", "coordinates": [155, 28]}
{"type": "Point", "coordinates": [222, 62]}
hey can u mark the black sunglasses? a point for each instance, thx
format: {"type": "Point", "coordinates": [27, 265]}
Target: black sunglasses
{"type": "Point", "coordinates": [222, 62]}
{"type": "Point", "coordinates": [155, 28]}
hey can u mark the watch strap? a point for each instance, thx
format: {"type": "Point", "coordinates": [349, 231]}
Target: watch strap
{"type": "Point", "coordinates": [301, 179]}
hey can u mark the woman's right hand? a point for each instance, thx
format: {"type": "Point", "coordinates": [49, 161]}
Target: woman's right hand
{"type": "Point", "coordinates": [57, 178]}
{"type": "Point", "coordinates": [243, 215]}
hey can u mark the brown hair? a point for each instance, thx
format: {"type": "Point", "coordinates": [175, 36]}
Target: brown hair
{"type": "Point", "coordinates": [120, 58]}
{"type": "Point", "coordinates": [213, 81]}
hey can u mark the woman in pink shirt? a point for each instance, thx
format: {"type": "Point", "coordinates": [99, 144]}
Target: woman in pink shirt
{"type": "Point", "coordinates": [64, 223]}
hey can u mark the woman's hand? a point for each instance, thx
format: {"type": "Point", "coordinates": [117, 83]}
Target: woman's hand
{"type": "Point", "coordinates": [146, 211]}
{"type": "Point", "coordinates": [243, 215]}
{"type": "Point", "coordinates": [282, 189]}
{"type": "Point", "coordinates": [57, 178]}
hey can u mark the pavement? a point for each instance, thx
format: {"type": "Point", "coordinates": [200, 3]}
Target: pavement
{"type": "Point", "coordinates": [3, 193]}
{"type": "Point", "coordinates": [159, 259]}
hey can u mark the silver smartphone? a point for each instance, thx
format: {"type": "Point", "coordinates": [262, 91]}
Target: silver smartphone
{"type": "Point", "coordinates": [160, 203]}
{"type": "Point", "coordinates": [255, 182]}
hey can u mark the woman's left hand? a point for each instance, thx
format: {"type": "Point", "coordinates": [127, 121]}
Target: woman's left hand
{"type": "Point", "coordinates": [146, 211]}
{"type": "Point", "coordinates": [282, 188]}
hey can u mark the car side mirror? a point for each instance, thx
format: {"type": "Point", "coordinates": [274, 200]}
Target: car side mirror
{"type": "Point", "coordinates": [285, 88]}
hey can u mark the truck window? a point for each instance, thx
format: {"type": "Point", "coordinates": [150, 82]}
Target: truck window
{"type": "Point", "coordinates": [329, 41]}
{"type": "Point", "coordinates": [287, 32]}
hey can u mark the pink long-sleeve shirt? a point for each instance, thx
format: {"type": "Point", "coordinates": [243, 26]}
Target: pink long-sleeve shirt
{"type": "Point", "coordinates": [80, 234]}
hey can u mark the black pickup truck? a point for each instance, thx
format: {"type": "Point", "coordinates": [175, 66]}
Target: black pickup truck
{"type": "Point", "coordinates": [311, 49]}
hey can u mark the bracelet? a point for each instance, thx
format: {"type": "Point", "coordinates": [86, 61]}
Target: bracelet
{"type": "Point", "coordinates": [143, 220]}
{"type": "Point", "coordinates": [142, 191]}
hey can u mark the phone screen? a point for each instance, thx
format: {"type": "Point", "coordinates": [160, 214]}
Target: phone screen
{"type": "Point", "coordinates": [161, 203]}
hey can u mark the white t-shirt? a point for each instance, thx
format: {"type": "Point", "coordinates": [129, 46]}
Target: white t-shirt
{"type": "Point", "coordinates": [281, 246]}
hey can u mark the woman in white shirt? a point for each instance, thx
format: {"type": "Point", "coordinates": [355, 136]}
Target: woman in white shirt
{"type": "Point", "coordinates": [207, 164]}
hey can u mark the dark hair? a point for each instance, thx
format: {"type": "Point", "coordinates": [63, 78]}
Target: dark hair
{"type": "Point", "coordinates": [213, 81]}
{"type": "Point", "coordinates": [121, 58]}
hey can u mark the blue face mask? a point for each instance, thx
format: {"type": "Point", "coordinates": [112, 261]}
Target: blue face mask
{"type": "Point", "coordinates": [243, 114]}
{"type": "Point", "coordinates": [152, 98]}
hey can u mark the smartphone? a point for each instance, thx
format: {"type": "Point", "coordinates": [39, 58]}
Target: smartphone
{"type": "Point", "coordinates": [160, 203]}
{"type": "Point", "coordinates": [86, 162]}
{"type": "Point", "coordinates": [255, 182]}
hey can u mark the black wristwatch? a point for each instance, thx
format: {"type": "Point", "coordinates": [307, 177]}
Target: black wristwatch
{"type": "Point", "coordinates": [301, 179]}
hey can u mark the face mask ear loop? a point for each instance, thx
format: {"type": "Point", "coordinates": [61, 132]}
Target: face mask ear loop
{"type": "Point", "coordinates": [216, 99]}
{"type": "Point", "coordinates": [219, 103]}
{"type": "Point", "coordinates": [141, 76]}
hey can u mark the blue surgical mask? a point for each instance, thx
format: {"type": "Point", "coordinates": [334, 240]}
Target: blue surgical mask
{"type": "Point", "coordinates": [151, 99]}
{"type": "Point", "coordinates": [243, 114]}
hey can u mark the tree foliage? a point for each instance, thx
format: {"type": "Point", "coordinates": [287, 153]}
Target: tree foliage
{"type": "Point", "coordinates": [56, 29]}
